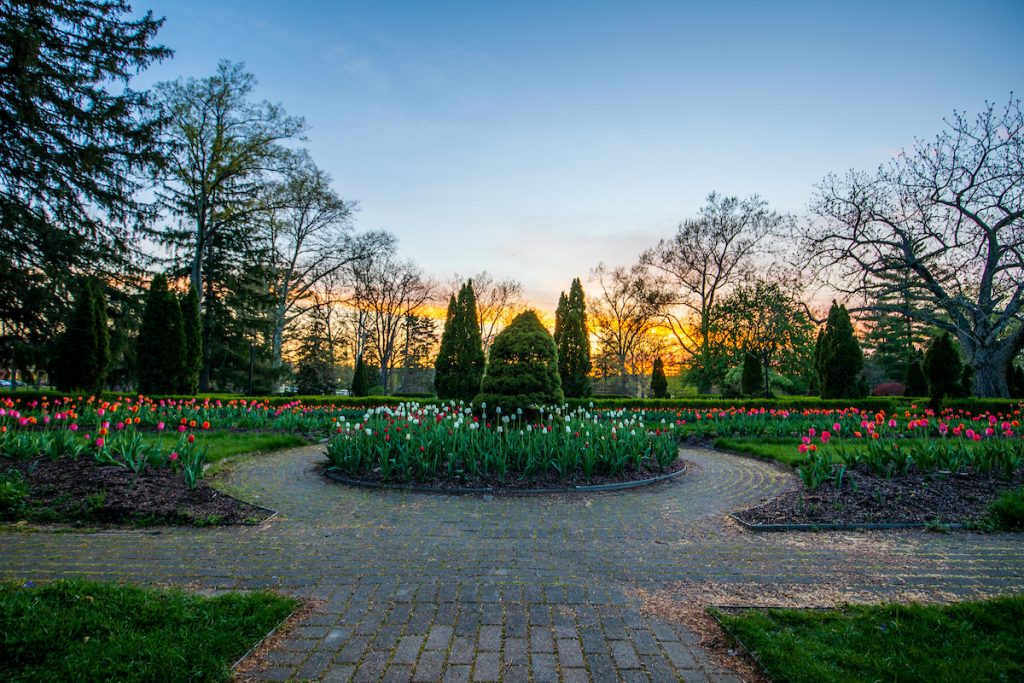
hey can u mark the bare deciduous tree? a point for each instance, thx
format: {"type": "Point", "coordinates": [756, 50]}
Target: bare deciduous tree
{"type": "Point", "coordinates": [949, 213]}
{"type": "Point", "coordinates": [622, 315]}
{"type": "Point", "coordinates": [387, 292]}
{"type": "Point", "coordinates": [497, 302]}
{"type": "Point", "coordinates": [698, 264]}
{"type": "Point", "coordinates": [309, 239]}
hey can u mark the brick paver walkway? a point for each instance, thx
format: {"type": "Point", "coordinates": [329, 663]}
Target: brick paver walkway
{"type": "Point", "coordinates": [421, 587]}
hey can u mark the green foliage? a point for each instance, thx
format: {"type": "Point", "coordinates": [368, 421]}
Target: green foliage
{"type": "Point", "coordinates": [838, 357]}
{"type": "Point", "coordinates": [82, 353]}
{"type": "Point", "coordinates": [916, 382]}
{"type": "Point", "coordinates": [75, 142]}
{"type": "Point", "coordinates": [90, 631]}
{"type": "Point", "coordinates": [659, 383]}
{"type": "Point", "coordinates": [417, 443]}
{"type": "Point", "coordinates": [160, 350]}
{"type": "Point", "coordinates": [1008, 510]}
{"type": "Point", "coordinates": [316, 372]}
{"type": "Point", "coordinates": [965, 387]}
{"type": "Point", "coordinates": [13, 492]}
{"type": "Point", "coordinates": [967, 641]}
{"type": "Point", "coordinates": [193, 361]}
{"type": "Point", "coordinates": [360, 379]}
{"type": "Point", "coordinates": [943, 369]}
{"type": "Point", "coordinates": [522, 370]}
{"type": "Point", "coordinates": [752, 383]}
{"type": "Point", "coordinates": [460, 362]}
{"type": "Point", "coordinates": [572, 339]}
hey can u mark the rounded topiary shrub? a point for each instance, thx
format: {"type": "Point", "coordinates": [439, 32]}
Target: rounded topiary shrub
{"type": "Point", "coordinates": [522, 368]}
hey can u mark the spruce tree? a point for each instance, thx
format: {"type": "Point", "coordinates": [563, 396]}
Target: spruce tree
{"type": "Point", "coordinates": [522, 370]}
{"type": "Point", "coordinates": [839, 358]}
{"type": "Point", "coordinates": [82, 352]}
{"type": "Point", "coordinates": [659, 383]}
{"type": "Point", "coordinates": [360, 379]}
{"type": "Point", "coordinates": [572, 339]}
{"type": "Point", "coordinates": [752, 380]}
{"type": "Point", "coordinates": [193, 361]}
{"type": "Point", "coordinates": [160, 350]}
{"type": "Point", "coordinates": [460, 362]}
{"type": "Point", "coordinates": [915, 383]}
{"type": "Point", "coordinates": [943, 369]}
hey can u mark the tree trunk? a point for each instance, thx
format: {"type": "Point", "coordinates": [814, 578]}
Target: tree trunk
{"type": "Point", "coordinates": [990, 371]}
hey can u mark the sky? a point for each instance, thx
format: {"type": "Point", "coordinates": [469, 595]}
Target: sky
{"type": "Point", "coordinates": [537, 139]}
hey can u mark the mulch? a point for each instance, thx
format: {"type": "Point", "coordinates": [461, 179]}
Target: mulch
{"type": "Point", "coordinates": [84, 492]}
{"type": "Point", "coordinates": [513, 482]}
{"type": "Point", "coordinates": [866, 498]}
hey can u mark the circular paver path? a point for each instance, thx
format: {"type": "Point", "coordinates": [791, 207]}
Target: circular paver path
{"type": "Point", "coordinates": [562, 588]}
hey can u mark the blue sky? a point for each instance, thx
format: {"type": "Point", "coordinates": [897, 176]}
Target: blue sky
{"type": "Point", "coordinates": [535, 139]}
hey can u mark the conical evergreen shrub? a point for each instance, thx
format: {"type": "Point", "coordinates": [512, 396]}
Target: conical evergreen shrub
{"type": "Point", "coordinates": [838, 357]}
{"type": "Point", "coordinates": [160, 349]}
{"type": "Point", "coordinates": [752, 379]}
{"type": "Point", "coordinates": [572, 339]}
{"type": "Point", "coordinates": [459, 367]}
{"type": "Point", "coordinates": [943, 368]}
{"type": "Point", "coordinates": [522, 370]}
{"type": "Point", "coordinates": [82, 353]}
{"type": "Point", "coordinates": [915, 383]}
{"type": "Point", "coordinates": [360, 379]}
{"type": "Point", "coordinates": [659, 383]}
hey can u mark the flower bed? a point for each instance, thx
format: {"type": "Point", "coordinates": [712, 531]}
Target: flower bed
{"type": "Point", "coordinates": [450, 444]}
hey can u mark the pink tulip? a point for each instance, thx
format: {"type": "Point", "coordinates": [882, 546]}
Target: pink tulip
{"type": "Point", "coordinates": [825, 436]}
{"type": "Point", "coordinates": [836, 427]}
{"type": "Point", "coordinates": [100, 442]}
{"type": "Point", "coordinates": [160, 426]}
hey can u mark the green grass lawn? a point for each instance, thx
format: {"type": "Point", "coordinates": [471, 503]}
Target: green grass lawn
{"type": "Point", "coordinates": [225, 444]}
{"type": "Point", "coordinates": [971, 641]}
{"type": "Point", "coordinates": [774, 448]}
{"type": "Point", "coordinates": [87, 631]}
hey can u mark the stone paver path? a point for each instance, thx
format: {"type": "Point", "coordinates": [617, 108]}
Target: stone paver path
{"type": "Point", "coordinates": [415, 587]}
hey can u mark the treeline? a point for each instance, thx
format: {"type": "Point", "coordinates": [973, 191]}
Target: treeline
{"type": "Point", "coordinates": [181, 239]}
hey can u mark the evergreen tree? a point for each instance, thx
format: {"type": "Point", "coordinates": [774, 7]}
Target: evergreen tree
{"type": "Point", "coordinates": [83, 351]}
{"type": "Point", "coordinates": [316, 373]}
{"type": "Point", "coordinates": [75, 139]}
{"type": "Point", "coordinates": [659, 383]}
{"type": "Point", "coordinates": [360, 379]}
{"type": "Point", "coordinates": [444, 365]}
{"type": "Point", "coordinates": [522, 370]}
{"type": "Point", "coordinates": [839, 358]}
{"type": "Point", "coordinates": [966, 385]}
{"type": "Point", "coordinates": [460, 361]}
{"type": "Point", "coordinates": [160, 350]}
{"type": "Point", "coordinates": [572, 339]}
{"type": "Point", "coordinates": [193, 361]}
{"type": "Point", "coordinates": [943, 368]}
{"type": "Point", "coordinates": [915, 383]}
{"type": "Point", "coordinates": [752, 381]}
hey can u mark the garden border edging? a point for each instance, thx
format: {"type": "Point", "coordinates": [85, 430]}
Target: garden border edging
{"type": "Point", "coordinates": [490, 490]}
{"type": "Point", "coordinates": [866, 526]}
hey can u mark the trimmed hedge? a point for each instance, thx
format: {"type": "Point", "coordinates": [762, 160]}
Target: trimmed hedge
{"type": "Point", "coordinates": [889, 404]}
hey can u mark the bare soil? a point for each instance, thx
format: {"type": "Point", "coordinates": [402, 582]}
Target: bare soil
{"type": "Point", "coordinates": [82, 491]}
{"type": "Point", "coordinates": [865, 498]}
